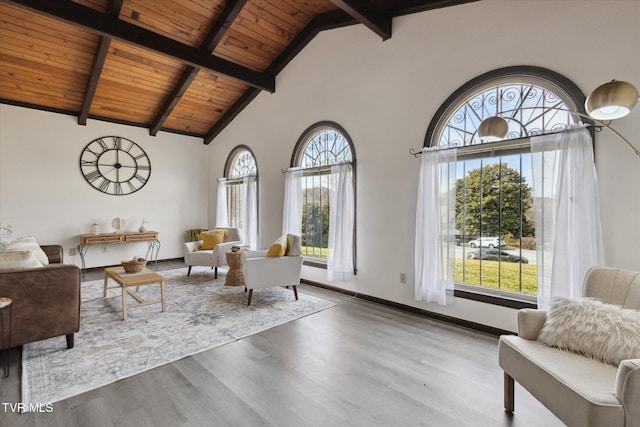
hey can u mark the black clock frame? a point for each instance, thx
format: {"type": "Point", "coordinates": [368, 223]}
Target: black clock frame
{"type": "Point", "coordinates": [117, 154]}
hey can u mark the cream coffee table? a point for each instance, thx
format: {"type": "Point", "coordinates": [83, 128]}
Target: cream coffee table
{"type": "Point", "coordinates": [129, 280]}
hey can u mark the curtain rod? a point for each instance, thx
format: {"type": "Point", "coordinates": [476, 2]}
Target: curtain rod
{"type": "Point", "coordinates": [313, 169]}
{"type": "Point", "coordinates": [508, 144]}
{"type": "Point", "coordinates": [223, 179]}
{"type": "Point", "coordinates": [479, 148]}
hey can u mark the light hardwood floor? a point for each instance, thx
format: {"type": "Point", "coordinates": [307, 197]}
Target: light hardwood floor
{"type": "Point", "coordinates": [356, 364]}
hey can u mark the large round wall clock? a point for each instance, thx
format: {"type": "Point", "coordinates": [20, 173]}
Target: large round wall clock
{"type": "Point", "coordinates": [115, 165]}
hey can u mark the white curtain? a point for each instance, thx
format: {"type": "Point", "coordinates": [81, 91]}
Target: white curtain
{"type": "Point", "coordinates": [222, 213]}
{"type": "Point", "coordinates": [250, 212]}
{"type": "Point", "coordinates": [292, 211]}
{"type": "Point", "coordinates": [568, 233]}
{"type": "Point", "coordinates": [435, 226]}
{"type": "Point", "coordinates": [341, 218]}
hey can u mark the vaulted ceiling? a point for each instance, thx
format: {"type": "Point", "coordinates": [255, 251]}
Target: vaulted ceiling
{"type": "Point", "coordinates": [184, 66]}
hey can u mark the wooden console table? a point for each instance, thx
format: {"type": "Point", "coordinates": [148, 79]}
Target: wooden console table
{"type": "Point", "coordinates": [151, 237]}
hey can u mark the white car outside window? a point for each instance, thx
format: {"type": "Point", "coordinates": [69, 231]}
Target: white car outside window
{"type": "Point", "coordinates": [491, 242]}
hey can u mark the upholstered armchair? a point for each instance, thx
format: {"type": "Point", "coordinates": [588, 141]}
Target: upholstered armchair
{"type": "Point", "coordinates": [215, 257]}
{"type": "Point", "coordinates": [277, 269]}
{"type": "Point", "coordinates": [580, 390]}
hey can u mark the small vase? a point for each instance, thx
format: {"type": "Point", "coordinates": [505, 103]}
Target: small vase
{"type": "Point", "coordinates": [94, 228]}
{"type": "Point", "coordinates": [142, 229]}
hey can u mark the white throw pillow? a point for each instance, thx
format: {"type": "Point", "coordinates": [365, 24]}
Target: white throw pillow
{"type": "Point", "coordinates": [293, 245]}
{"type": "Point", "coordinates": [28, 243]}
{"type": "Point", "coordinates": [18, 260]}
{"type": "Point", "coordinates": [604, 332]}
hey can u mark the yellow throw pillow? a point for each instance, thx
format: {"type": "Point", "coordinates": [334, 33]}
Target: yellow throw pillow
{"type": "Point", "coordinates": [278, 248]}
{"type": "Point", "coordinates": [217, 230]}
{"type": "Point", "coordinates": [211, 239]}
{"type": "Point", "coordinates": [226, 232]}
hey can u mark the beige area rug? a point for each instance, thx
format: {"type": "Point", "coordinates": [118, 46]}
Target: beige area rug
{"type": "Point", "coordinates": [201, 314]}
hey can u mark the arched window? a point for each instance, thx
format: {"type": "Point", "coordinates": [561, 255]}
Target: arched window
{"type": "Point", "coordinates": [322, 146]}
{"type": "Point", "coordinates": [495, 224]}
{"type": "Point", "coordinates": [531, 100]}
{"type": "Point", "coordinates": [241, 163]}
{"type": "Point", "coordinates": [237, 194]}
{"type": "Point", "coordinates": [318, 152]}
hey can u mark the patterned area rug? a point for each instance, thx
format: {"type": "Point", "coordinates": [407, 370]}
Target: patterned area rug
{"type": "Point", "coordinates": [201, 314]}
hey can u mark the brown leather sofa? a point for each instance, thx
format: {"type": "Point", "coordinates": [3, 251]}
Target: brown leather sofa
{"type": "Point", "coordinates": [46, 300]}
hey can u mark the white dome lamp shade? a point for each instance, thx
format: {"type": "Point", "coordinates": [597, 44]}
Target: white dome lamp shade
{"type": "Point", "coordinates": [611, 101]}
{"type": "Point", "coordinates": [493, 129]}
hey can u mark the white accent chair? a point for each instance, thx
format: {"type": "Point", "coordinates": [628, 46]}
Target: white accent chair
{"type": "Point", "coordinates": [212, 258]}
{"type": "Point", "coordinates": [261, 271]}
{"type": "Point", "coordinates": [578, 390]}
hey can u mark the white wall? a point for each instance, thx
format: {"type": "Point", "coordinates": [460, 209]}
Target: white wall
{"type": "Point", "coordinates": [385, 93]}
{"type": "Point", "coordinates": [43, 193]}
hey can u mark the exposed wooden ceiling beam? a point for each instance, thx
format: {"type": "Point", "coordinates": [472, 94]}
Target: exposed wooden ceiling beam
{"type": "Point", "coordinates": [228, 15]}
{"type": "Point", "coordinates": [113, 9]}
{"type": "Point", "coordinates": [406, 7]}
{"type": "Point", "coordinates": [222, 24]}
{"type": "Point", "coordinates": [106, 25]}
{"type": "Point", "coordinates": [325, 21]}
{"type": "Point", "coordinates": [224, 121]}
{"type": "Point", "coordinates": [174, 97]}
{"type": "Point", "coordinates": [368, 14]}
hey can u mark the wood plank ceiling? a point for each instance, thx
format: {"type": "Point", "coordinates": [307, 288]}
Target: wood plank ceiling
{"type": "Point", "coordinates": [184, 66]}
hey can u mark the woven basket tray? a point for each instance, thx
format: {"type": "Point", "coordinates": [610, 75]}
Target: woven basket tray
{"type": "Point", "coordinates": [134, 266]}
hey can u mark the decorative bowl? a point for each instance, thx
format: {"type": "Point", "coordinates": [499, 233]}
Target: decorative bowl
{"type": "Point", "coordinates": [135, 265]}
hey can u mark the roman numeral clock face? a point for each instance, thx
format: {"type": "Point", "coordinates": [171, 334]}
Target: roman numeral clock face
{"type": "Point", "coordinates": [115, 165]}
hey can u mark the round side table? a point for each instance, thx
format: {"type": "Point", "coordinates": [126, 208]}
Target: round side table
{"type": "Point", "coordinates": [6, 305]}
{"type": "Point", "coordinates": [234, 275]}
